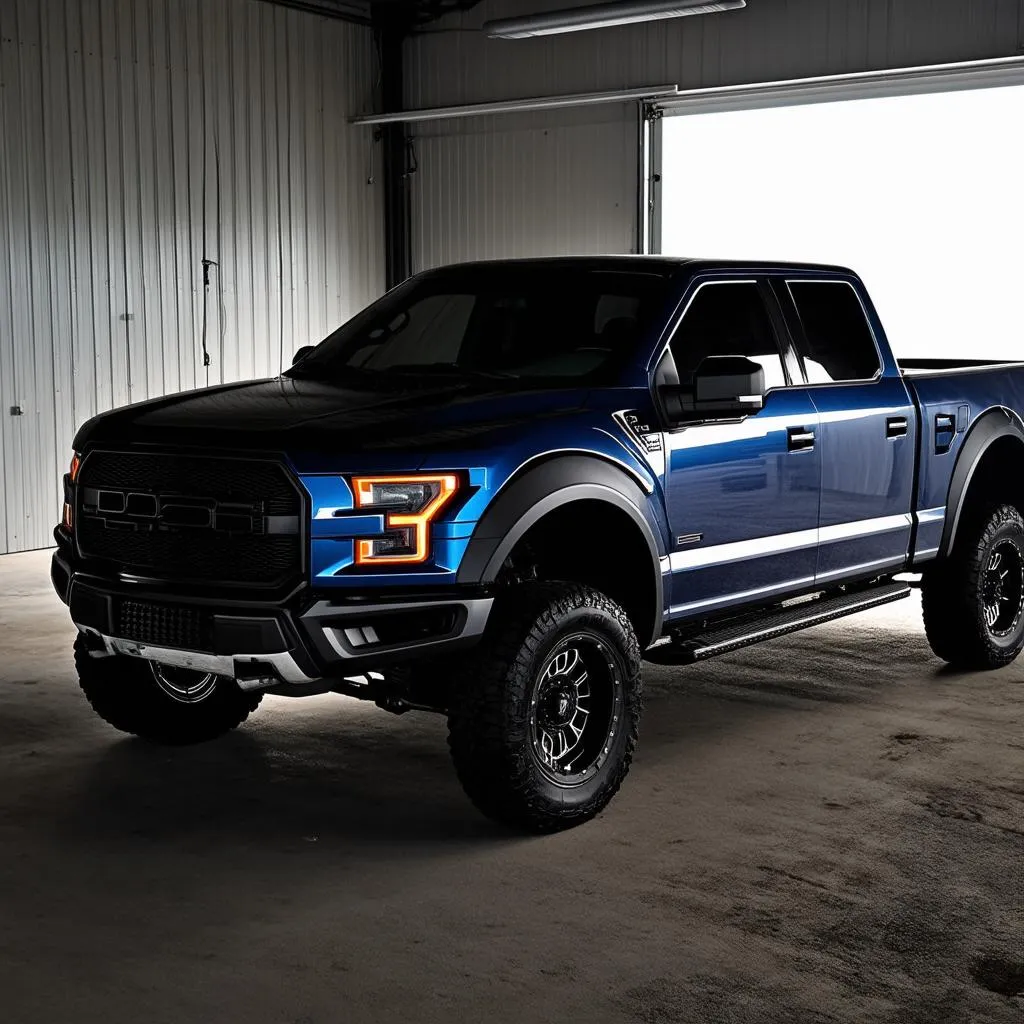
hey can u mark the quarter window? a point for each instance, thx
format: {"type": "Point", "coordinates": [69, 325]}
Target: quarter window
{"type": "Point", "coordinates": [837, 343]}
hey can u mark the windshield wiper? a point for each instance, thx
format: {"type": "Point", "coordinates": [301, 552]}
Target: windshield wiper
{"type": "Point", "coordinates": [324, 374]}
{"type": "Point", "coordinates": [449, 368]}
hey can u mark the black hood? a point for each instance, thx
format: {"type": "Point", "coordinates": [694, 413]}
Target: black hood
{"type": "Point", "coordinates": [286, 412]}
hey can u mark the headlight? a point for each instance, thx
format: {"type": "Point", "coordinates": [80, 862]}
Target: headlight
{"type": "Point", "coordinates": [410, 504]}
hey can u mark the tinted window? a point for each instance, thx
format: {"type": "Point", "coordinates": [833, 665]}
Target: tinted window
{"type": "Point", "coordinates": [837, 342]}
{"type": "Point", "coordinates": [727, 320]}
{"type": "Point", "coordinates": [435, 324]}
{"type": "Point", "coordinates": [541, 323]}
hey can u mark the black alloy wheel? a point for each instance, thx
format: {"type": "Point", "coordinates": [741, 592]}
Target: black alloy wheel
{"type": "Point", "coordinates": [184, 685]}
{"type": "Point", "coordinates": [576, 709]}
{"type": "Point", "coordinates": [973, 600]}
{"type": "Point", "coordinates": [1002, 588]}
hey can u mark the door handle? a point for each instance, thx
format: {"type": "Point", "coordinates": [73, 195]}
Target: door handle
{"type": "Point", "coordinates": [799, 439]}
{"type": "Point", "coordinates": [896, 426]}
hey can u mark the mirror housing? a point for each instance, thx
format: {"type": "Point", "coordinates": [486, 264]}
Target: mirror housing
{"type": "Point", "coordinates": [724, 388]}
{"type": "Point", "coordinates": [301, 353]}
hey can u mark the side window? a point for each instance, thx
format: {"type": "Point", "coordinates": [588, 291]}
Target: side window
{"type": "Point", "coordinates": [727, 319]}
{"type": "Point", "coordinates": [837, 343]}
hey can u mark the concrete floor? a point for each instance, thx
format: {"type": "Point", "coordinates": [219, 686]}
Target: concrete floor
{"type": "Point", "coordinates": [827, 828]}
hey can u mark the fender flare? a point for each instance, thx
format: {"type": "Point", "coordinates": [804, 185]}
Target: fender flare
{"type": "Point", "coordinates": [544, 487]}
{"type": "Point", "coordinates": [989, 428]}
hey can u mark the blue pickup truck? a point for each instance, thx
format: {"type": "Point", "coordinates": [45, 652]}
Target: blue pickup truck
{"type": "Point", "coordinates": [499, 489]}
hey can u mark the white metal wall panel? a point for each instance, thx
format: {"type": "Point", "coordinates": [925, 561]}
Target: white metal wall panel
{"type": "Point", "coordinates": [138, 137]}
{"type": "Point", "coordinates": [494, 190]}
{"type": "Point", "coordinates": [770, 40]}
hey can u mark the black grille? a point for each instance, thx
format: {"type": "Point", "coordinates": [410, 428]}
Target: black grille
{"type": "Point", "coordinates": [164, 625]}
{"type": "Point", "coordinates": [184, 518]}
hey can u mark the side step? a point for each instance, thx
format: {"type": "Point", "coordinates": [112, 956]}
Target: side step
{"type": "Point", "coordinates": [737, 633]}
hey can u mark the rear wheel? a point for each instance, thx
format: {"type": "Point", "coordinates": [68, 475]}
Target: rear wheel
{"type": "Point", "coordinates": [974, 600]}
{"type": "Point", "coordinates": [543, 718]}
{"type": "Point", "coordinates": [158, 702]}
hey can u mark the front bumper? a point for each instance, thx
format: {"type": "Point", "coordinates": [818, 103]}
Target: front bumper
{"type": "Point", "coordinates": [302, 641]}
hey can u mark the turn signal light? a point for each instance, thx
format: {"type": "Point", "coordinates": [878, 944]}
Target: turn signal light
{"type": "Point", "coordinates": [410, 504]}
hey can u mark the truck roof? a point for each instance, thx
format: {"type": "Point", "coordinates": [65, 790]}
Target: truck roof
{"type": "Point", "coordinates": [662, 264]}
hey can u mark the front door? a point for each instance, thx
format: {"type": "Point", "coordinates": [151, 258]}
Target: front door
{"type": "Point", "coordinates": [868, 431]}
{"type": "Point", "coordinates": [742, 496]}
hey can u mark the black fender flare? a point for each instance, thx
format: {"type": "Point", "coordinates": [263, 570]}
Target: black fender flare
{"type": "Point", "coordinates": [535, 491]}
{"type": "Point", "coordinates": [988, 428]}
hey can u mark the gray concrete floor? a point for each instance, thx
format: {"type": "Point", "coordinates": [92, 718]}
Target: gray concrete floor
{"type": "Point", "coordinates": [826, 828]}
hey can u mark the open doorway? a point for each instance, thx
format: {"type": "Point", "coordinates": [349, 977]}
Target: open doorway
{"type": "Point", "coordinates": [920, 194]}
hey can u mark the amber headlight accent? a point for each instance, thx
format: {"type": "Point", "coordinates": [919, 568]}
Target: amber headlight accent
{"type": "Point", "coordinates": [410, 504]}
{"type": "Point", "coordinates": [68, 518]}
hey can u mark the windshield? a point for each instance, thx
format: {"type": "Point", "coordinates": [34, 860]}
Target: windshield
{"type": "Point", "coordinates": [548, 323]}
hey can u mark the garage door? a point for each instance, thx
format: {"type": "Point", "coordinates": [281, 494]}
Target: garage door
{"type": "Point", "coordinates": [918, 193]}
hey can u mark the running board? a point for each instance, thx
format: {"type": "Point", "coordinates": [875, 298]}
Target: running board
{"type": "Point", "coordinates": [731, 636]}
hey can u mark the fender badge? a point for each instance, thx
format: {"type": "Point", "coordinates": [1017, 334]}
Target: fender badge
{"type": "Point", "coordinates": [651, 440]}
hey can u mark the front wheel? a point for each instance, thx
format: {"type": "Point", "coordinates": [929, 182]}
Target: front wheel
{"type": "Point", "coordinates": [543, 718]}
{"type": "Point", "coordinates": [160, 703]}
{"type": "Point", "coordinates": [974, 601]}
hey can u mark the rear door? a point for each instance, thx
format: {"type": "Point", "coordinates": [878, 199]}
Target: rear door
{"type": "Point", "coordinates": [867, 427]}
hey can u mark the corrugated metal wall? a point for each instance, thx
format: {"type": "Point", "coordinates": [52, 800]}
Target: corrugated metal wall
{"type": "Point", "coordinates": [482, 184]}
{"type": "Point", "coordinates": [138, 138]}
{"type": "Point", "coordinates": [502, 187]}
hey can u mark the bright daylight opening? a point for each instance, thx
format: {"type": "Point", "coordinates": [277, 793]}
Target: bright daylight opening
{"type": "Point", "coordinates": [921, 195]}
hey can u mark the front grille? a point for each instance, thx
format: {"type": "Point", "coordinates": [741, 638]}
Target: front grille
{"type": "Point", "coordinates": [164, 625]}
{"type": "Point", "coordinates": [191, 518]}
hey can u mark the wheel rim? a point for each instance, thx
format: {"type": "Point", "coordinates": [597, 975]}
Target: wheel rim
{"type": "Point", "coordinates": [1002, 589]}
{"type": "Point", "coordinates": [184, 685]}
{"type": "Point", "coordinates": [575, 709]}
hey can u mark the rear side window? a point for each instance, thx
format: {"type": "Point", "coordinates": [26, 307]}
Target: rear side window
{"type": "Point", "coordinates": [837, 343]}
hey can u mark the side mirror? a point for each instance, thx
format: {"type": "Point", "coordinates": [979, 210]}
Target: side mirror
{"type": "Point", "coordinates": [301, 353]}
{"type": "Point", "coordinates": [724, 388]}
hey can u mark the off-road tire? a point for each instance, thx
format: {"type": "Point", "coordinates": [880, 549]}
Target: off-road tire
{"type": "Point", "coordinates": [953, 594]}
{"type": "Point", "coordinates": [492, 717]}
{"type": "Point", "coordinates": [124, 693]}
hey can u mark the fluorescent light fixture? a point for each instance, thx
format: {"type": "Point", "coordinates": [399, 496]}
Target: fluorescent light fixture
{"type": "Point", "coordinates": [621, 12]}
{"type": "Point", "coordinates": [580, 99]}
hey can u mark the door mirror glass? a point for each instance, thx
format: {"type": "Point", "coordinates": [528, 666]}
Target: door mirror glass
{"type": "Point", "coordinates": [724, 388]}
{"type": "Point", "coordinates": [301, 353]}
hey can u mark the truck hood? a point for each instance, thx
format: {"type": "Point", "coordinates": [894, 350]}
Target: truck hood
{"type": "Point", "coordinates": [286, 414]}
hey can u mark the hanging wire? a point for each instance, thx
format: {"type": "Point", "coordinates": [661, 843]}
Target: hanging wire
{"type": "Point", "coordinates": [206, 297]}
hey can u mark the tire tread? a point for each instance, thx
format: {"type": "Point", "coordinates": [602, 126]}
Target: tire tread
{"type": "Point", "coordinates": [121, 691]}
{"type": "Point", "coordinates": [488, 720]}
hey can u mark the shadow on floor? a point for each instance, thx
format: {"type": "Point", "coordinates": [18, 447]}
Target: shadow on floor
{"type": "Point", "coordinates": [273, 785]}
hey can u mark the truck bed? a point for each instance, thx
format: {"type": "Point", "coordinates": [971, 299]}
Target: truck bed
{"type": "Point", "coordinates": [916, 367]}
{"type": "Point", "coordinates": [965, 390]}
